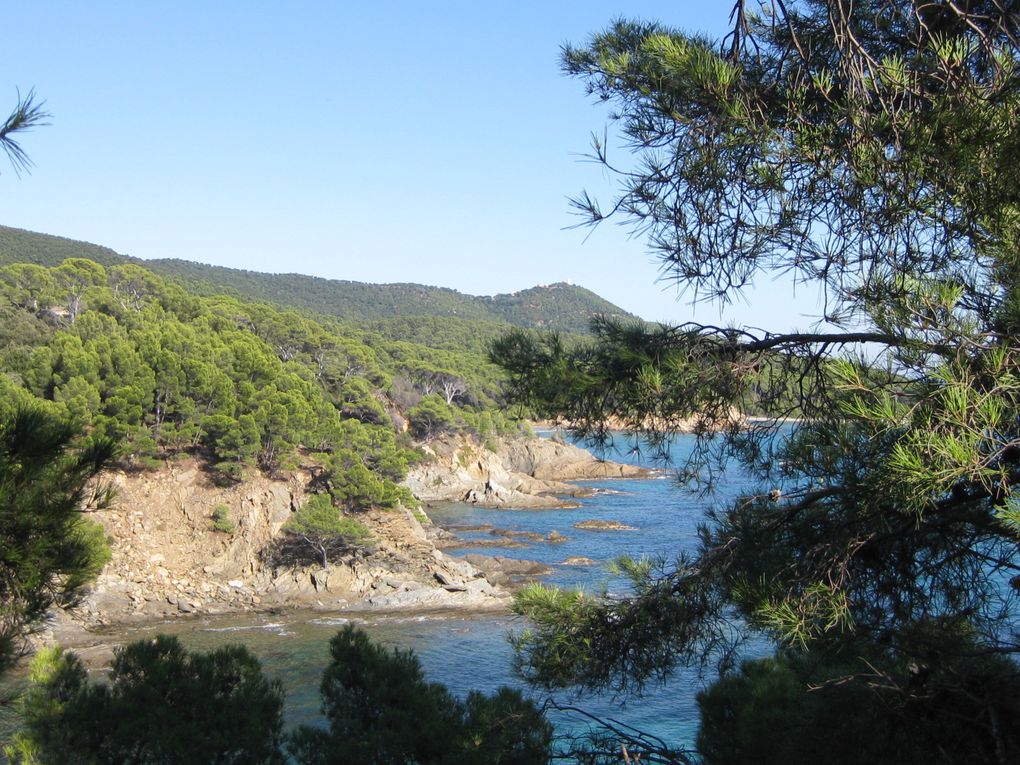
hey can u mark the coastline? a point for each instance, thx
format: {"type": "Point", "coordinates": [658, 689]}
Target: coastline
{"type": "Point", "coordinates": [169, 563]}
{"type": "Point", "coordinates": [102, 639]}
{"type": "Point", "coordinates": [464, 648]}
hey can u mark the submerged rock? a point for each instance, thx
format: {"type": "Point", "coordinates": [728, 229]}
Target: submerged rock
{"type": "Point", "coordinates": [600, 525]}
{"type": "Point", "coordinates": [533, 536]}
{"type": "Point", "coordinates": [507, 571]}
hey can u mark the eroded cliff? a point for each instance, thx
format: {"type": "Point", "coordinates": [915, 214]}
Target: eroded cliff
{"type": "Point", "coordinates": [169, 558]}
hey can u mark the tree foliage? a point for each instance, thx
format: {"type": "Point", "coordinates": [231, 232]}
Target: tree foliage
{"type": "Point", "coordinates": [318, 530]}
{"type": "Point", "coordinates": [128, 355]}
{"type": "Point", "coordinates": [131, 355]}
{"type": "Point", "coordinates": [49, 550]}
{"type": "Point", "coordinates": [28, 113]}
{"type": "Point", "coordinates": [382, 711]}
{"type": "Point", "coordinates": [869, 151]}
{"type": "Point", "coordinates": [806, 707]}
{"type": "Point", "coordinates": [162, 705]}
{"type": "Point", "coordinates": [431, 416]}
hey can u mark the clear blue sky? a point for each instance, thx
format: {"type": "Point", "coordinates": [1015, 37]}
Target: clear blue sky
{"type": "Point", "coordinates": [380, 142]}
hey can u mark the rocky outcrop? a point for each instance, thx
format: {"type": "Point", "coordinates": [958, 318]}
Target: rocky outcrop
{"type": "Point", "coordinates": [168, 558]}
{"type": "Point", "coordinates": [545, 459]}
{"type": "Point", "coordinates": [517, 473]}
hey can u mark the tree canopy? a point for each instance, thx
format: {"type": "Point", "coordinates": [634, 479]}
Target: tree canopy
{"type": "Point", "coordinates": [49, 550]}
{"type": "Point", "coordinates": [128, 354]}
{"type": "Point", "coordinates": [382, 711]}
{"type": "Point", "coordinates": [869, 150]}
{"type": "Point", "coordinates": [162, 704]}
{"type": "Point", "coordinates": [316, 531]}
{"type": "Point", "coordinates": [165, 704]}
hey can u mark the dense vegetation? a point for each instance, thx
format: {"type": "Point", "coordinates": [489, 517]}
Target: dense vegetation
{"type": "Point", "coordinates": [870, 150]}
{"type": "Point", "coordinates": [381, 710]}
{"type": "Point", "coordinates": [124, 354]}
{"type": "Point", "coordinates": [19, 246]}
{"type": "Point", "coordinates": [163, 704]}
{"type": "Point", "coordinates": [562, 307]}
{"type": "Point", "coordinates": [49, 550]}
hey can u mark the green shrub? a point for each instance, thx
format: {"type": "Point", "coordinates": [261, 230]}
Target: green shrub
{"type": "Point", "coordinates": [221, 520]}
{"type": "Point", "coordinates": [431, 417]}
{"type": "Point", "coordinates": [316, 532]}
{"type": "Point", "coordinates": [162, 704]}
{"type": "Point", "coordinates": [319, 517]}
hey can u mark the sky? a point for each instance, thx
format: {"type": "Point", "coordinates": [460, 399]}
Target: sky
{"type": "Point", "coordinates": [435, 143]}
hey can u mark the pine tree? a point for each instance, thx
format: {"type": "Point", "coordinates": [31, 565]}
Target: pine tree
{"type": "Point", "coordinates": [869, 150]}
{"type": "Point", "coordinates": [49, 550]}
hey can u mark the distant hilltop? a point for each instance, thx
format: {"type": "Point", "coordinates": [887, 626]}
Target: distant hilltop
{"type": "Point", "coordinates": [563, 306]}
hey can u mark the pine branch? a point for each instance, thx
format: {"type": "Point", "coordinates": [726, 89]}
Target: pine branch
{"type": "Point", "coordinates": [28, 114]}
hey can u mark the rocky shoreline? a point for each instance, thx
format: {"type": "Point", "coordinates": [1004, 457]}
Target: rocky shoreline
{"type": "Point", "coordinates": [518, 473]}
{"type": "Point", "coordinates": [169, 560]}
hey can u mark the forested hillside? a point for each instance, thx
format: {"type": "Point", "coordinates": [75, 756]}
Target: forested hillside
{"type": "Point", "coordinates": [562, 307]}
{"type": "Point", "coordinates": [20, 246]}
{"type": "Point", "coordinates": [123, 352]}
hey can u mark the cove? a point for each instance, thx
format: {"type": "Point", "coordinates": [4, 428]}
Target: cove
{"type": "Point", "coordinates": [468, 652]}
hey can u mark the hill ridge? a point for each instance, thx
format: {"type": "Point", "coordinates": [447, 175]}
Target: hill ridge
{"type": "Point", "coordinates": [559, 306]}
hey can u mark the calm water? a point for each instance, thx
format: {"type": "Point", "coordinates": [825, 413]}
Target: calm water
{"type": "Point", "coordinates": [472, 652]}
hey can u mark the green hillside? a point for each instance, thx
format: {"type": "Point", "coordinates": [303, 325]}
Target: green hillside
{"type": "Point", "coordinates": [19, 246]}
{"type": "Point", "coordinates": [562, 307]}
{"type": "Point", "coordinates": [124, 353]}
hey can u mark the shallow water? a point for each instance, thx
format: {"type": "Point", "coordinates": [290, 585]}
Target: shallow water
{"type": "Point", "coordinates": [465, 652]}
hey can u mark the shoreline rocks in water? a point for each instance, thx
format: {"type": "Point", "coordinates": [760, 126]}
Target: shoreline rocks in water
{"type": "Point", "coordinates": [523, 473]}
{"type": "Point", "coordinates": [507, 572]}
{"type": "Point", "coordinates": [600, 525]}
{"type": "Point", "coordinates": [531, 536]}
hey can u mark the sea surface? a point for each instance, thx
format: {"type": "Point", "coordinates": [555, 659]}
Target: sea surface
{"type": "Point", "coordinates": [472, 652]}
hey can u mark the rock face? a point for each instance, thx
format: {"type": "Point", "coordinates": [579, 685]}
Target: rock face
{"type": "Point", "coordinates": [547, 460]}
{"type": "Point", "coordinates": [520, 473]}
{"type": "Point", "coordinates": [168, 559]}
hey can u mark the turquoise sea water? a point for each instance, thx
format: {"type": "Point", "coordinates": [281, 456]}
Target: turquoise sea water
{"type": "Point", "coordinates": [472, 652]}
